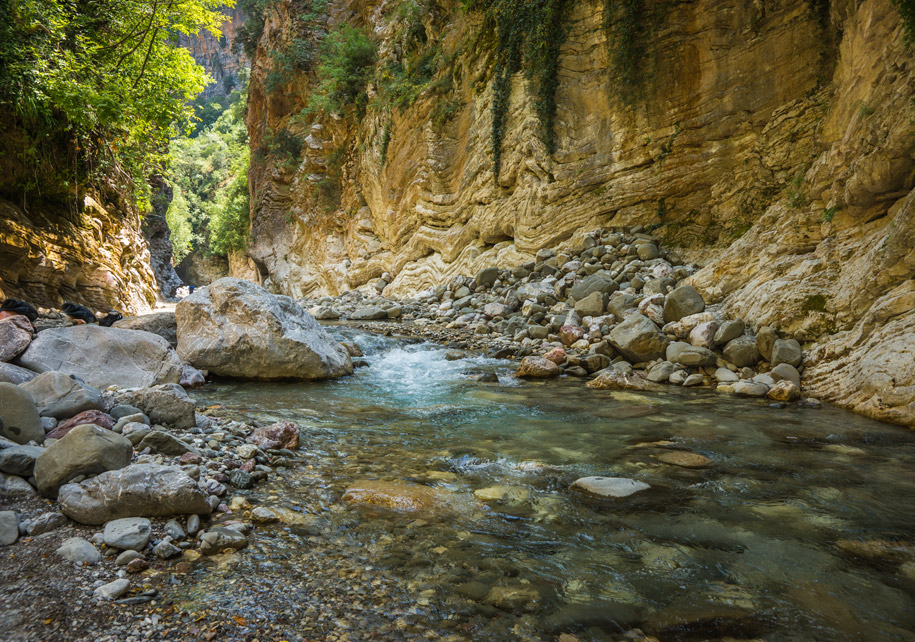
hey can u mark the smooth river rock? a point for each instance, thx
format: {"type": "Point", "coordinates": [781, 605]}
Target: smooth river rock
{"type": "Point", "coordinates": [79, 551]}
{"type": "Point", "coordinates": [609, 486]}
{"type": "Point", "coordinates": [166, 404]}
{"type": "Point", "coordinates": [613, 379]}
{"type": "Point", "coordinates": [85, 450]}
{"type": "Point", "coordinates": [134, 491]}
{"type": "Point", "coordinates": [62, 396]}
{"type": "Point", "coordinates": [104, 357]}
{"type": "Point", "coordinates": [236, 328]}
{"type": "Point", "coordinates": [128, 533]}
{"type": "Point", "coordinates": [19, 421]}
{"type": "Point", "coordinates": [160, 323]}
{"type": "Point", "coordinates": [537, 368]}
{"type": "Point", "coordinates": [19, 460]}
{"type": "Point", "coordinates": [14, 374]}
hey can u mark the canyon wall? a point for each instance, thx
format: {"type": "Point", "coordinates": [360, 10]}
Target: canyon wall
{"type": "Point", "coordinates": [82, 251]}
{"type": "Point", "coordinates": [770, 143]}
{"type": "Point", "coordinates": [222, 58]}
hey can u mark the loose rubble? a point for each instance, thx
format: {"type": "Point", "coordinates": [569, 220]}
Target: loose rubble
{"type": "Point", "coordinates": [614, 305]}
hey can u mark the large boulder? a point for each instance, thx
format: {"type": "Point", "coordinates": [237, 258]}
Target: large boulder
{"type": "Point", "coordinates": [161, 323]}
{"type": "Point", "coordinates": [85, 450]}
{"type": "Point", "coordinates": [62, 396]}
{"type": "Point", "coordinates": [167, 404]}
{"type": "Point", "coordinates": [638, 339]}
{"type": "Point", "coordinates": [105, 357]}
{"type": "Point", "coordinates": [237, 329]}
{"type": "Point", "coordinates": [139, 490]}
{"type": "Point", "coordinates": [682, 302]}
{"type": "Point", "coordinates": [19, 421]}
{"type": "Point", "coordinates": [15, 336]}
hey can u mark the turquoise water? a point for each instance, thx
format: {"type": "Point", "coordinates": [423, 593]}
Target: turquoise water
{"type": "Point", "coordinates": [745, 548]}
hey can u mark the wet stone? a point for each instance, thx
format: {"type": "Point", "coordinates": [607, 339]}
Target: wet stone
{"type": "Point", "coordinates": [609, 486]}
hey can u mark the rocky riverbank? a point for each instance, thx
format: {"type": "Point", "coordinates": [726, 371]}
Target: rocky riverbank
{"type": "Point", "coordinates": [110, 473]}
{"type": "Point", "coordinates": [614, 308]}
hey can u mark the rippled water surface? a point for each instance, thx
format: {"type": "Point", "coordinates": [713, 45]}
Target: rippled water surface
{"type": "Point", "coordinates": [745, 548]}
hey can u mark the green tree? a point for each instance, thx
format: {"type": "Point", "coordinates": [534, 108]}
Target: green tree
{"type": "Point", "coordinates": [209, 172]}
{"type": "Point", "coordinates": [178, 220]}
{"type": "Point", "coordinates": [102, 79]}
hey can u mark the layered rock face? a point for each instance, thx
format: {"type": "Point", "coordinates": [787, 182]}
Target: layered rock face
{"type": "Point", "coordinates": [770, 143]}
{"type": "Point", "coordinates": [221, 57]}
{"type": "Point", "coordinates": [88, 253]}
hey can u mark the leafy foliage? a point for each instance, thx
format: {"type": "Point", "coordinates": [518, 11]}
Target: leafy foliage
{"type": "Point", "coordinates": [529, 35]}
{"type": "Point", "coordinates": [626, 22]}
{"type": "Point", "coordinates": [209, 170]}
{"type": "Point", "coordinates": [906, 9]}
{"type": "Point", "coordinates": [347, 63]}
{"type": "Point", "coordinates": [102, 80]}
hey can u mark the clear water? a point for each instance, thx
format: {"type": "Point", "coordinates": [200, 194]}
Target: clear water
{"type": "Point", "coordinates": [742, 549]}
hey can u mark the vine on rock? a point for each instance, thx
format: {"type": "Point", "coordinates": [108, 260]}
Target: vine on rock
{"type": "Point", "coordinates": [529, 35]}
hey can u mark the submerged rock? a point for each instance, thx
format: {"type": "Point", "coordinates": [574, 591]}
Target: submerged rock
{"type": "Point", "coordinates": [613, 379]}
{"type": "Point", "coordinates": [402, 496]}
{"type": "Point", "coordinates": [220, 538]}
{"type": "Point", "coordinates": [609, 486]}
{"type": "Point", "coordinates": [236, 328]}
{"type": "Point", "coordinates": [684, 459]}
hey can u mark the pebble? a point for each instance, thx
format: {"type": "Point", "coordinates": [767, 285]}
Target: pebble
{"type": "Point", "coordinates": [79, 551]}
{"type": "Point", "coordinates": [112, 590]}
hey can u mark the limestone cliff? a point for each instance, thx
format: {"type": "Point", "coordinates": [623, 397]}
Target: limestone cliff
{"type": "Point", "coordinates": [222, 58]}
{"type": "Point", "coordinates": [770, 141]}
{"type": "Point", "coordinates": [87, 252]}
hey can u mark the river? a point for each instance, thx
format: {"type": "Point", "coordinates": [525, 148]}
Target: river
{"type": "Point", "coordinates": [745, 548]}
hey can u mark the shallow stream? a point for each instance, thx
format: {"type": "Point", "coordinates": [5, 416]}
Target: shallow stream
{"type": "Point", "coordinates": [745, 548]}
